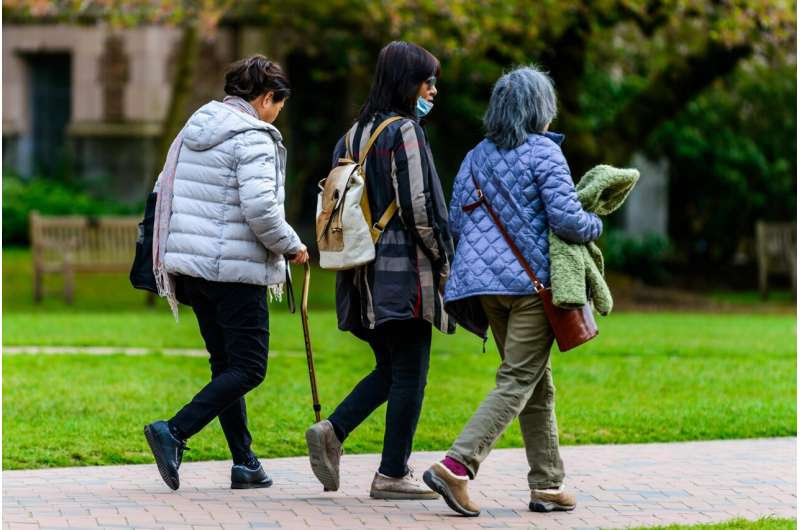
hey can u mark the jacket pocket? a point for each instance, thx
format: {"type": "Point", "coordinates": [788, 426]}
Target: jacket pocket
{"type": "Point", "coordinates": [329, 221]}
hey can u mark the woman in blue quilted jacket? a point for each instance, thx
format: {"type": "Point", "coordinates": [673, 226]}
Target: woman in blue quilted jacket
{"type": "Point", "coordinates": [524, 176]}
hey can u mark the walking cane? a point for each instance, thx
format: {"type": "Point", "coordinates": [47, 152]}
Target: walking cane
{"type": "Point", "coordinates": [312, 375]}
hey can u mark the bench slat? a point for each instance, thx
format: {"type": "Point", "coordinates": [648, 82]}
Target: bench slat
{"type": "Point", "coordinates": [73, 243]}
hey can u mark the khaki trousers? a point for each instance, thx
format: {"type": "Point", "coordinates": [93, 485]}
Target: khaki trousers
{"type": "Point", "coordinates": [524, 388]}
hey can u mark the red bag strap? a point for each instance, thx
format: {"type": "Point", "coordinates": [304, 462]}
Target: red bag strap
{"type": "Point", "coordinates": [482, 200]}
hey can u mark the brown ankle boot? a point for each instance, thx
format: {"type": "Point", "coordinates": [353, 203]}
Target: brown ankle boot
{"type": "Point", "coordinates": [452, 488]}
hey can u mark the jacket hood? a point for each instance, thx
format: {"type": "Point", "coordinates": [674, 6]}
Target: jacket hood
{"type": "Point", "coordinates": [215, 122]}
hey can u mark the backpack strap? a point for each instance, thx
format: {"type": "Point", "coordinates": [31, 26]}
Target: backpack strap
{"type": "Point", "coordinates": [376, 229]}
{"type": "Point", "coordinates": [348, 153]}
{"type": "Point", "coordinates": [371, 141]}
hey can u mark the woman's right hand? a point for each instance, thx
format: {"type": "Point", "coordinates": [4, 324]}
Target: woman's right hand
{"type": "Point", "coordinates": [301, 256]}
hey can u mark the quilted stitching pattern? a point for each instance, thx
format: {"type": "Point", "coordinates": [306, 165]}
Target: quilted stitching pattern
{"type": "Point", "coordinates": [228, 222]}
{"type": "Point", "coordinates": [531, 189]}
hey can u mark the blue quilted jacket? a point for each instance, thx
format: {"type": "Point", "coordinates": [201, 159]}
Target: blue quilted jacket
{"type": "Point", "coordinates": [531, 190]}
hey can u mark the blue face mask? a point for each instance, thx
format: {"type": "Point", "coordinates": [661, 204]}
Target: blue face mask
{"type": "Point", "coordinates": [423, 107]}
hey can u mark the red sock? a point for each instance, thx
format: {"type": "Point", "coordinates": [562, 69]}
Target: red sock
{"type": "Point", "coordinates": [455, 466]}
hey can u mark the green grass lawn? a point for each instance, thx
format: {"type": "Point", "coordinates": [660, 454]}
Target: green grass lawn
{"type": "Point", "coordinates": [767, 523]}
{"type": "Point", "coordinates": [647, 377]}
{"type": "Point", "coordinates": [775, 298]}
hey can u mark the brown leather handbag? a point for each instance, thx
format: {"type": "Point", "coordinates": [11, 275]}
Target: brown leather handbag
{"type": "Point", "coordinates": [571, 327]}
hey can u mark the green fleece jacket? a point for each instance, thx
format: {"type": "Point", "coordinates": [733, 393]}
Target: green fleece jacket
{"type": "Point", "coordinates": [576, 270]}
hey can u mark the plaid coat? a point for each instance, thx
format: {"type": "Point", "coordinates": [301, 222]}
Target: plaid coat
{"type": "Point", "coordinates": [413, 255]}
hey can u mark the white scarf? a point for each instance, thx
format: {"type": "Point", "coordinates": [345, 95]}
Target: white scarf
{"type": "Point", "coordinates": [164, 188]}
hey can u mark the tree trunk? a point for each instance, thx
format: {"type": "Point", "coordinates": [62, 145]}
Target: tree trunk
{"type": "Point", "coordinates": [182, 85]}
{"type": "Point", "coordinates": [567, 64]}
{"type": "Point", "coordinates": [313, 127]}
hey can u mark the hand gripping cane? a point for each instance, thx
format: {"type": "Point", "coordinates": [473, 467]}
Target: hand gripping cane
{"type": "Point", "coordinates": [312, 375]}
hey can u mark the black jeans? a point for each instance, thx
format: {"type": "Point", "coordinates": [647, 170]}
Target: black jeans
{"type": "Point", "coordinates": [402, 354]}
{"type": "Point", "coordinates": [234, 322]}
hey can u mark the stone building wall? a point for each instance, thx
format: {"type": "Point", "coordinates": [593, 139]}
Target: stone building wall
{"type": "Point", "coordinates": [120, 89]}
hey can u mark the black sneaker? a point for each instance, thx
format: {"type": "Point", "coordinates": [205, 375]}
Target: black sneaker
{"type": "Point", "coordinates": [167, 450]}
{"type": "Point", "coordinates": [249, 476]}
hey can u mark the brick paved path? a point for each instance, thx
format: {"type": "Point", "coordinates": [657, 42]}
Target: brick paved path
{"type": "Point", "coordinates": [616, 485]}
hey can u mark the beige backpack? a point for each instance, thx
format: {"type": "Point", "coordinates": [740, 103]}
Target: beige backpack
{"type": "Point", "coordinates": [346, 235]}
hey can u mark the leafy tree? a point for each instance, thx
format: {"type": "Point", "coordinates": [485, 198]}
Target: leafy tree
{"type": "Point", "coordinates": [683, 78]}
{"type": "Point", "coordinates": [676, 48]}
{"type": "Point", "coordinates": [663, 54]}
{"type": "Point", "coordinates": [732, 155]}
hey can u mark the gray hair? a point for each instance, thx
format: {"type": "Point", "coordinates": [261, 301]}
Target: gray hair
{"type": "Point", "coordinates": [523, 101]}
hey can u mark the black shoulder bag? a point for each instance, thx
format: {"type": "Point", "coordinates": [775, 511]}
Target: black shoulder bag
{"type": "Point", "coordinates": [142, 276]}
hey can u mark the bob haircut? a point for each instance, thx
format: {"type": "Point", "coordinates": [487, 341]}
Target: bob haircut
{"type": "Point", "coordinates": [252, 76]}
{"type": "Point", "coordinates": [401, 69]}
{"type": "Point", "coordinates": [523, 102]}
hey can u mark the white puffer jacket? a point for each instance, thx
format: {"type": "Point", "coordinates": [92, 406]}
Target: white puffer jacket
{"type": "Point", "coordinates": [228, 220]}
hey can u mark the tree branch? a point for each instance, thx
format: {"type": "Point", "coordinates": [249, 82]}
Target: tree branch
{"type": "Point", "coordinates": [566, 61]}
{"type": "Point", "coordinates": [668, 93]}
{"type": "Point", "coordinates": [665, 96]}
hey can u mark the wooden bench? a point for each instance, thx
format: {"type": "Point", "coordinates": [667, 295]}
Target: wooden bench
{"type": "Point", "coordinates": [71, 244]}
{"type": "Point", "coordinates": [776, 251]}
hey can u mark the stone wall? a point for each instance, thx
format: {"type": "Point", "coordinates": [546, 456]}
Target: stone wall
{"type": "Point", "coordinates": [120, 91]}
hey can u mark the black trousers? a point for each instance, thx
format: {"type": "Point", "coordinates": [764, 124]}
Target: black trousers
{"type": "Point", "coordinates": [402, 354]}
{"type": "Point", "coordinates": [234, 322]}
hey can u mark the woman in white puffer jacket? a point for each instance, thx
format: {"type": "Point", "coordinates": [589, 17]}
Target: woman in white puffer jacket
{"type": "Point", "coordinates": [227, 221]}
{"type": "Point", "coordinates": [225, 249]}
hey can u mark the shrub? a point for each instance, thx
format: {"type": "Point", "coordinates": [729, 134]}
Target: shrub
{"type": "Point", "coordinates": [50, 197]}
{"type": "Point", "coordinates": [644, 257]}
{"type": "Point", "coordinates": [732, 153]}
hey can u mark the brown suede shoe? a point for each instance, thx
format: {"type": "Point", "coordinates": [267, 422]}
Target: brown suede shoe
{"type": "Point", "coordinates": [452, 488]}
{"type": "Point", "coordinates": [552, 500]}
{"type": "Point", "coordinates": [324, 451]}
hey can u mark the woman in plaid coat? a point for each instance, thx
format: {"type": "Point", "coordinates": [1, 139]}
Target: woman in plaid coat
{"type": "Point", "coordinates": [394, 302]}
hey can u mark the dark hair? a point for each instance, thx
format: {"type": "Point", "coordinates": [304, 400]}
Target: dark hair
{"type": "Point", "coordinates": [402, 67]}
{"type": "Point", "coordinates": [252, 76]}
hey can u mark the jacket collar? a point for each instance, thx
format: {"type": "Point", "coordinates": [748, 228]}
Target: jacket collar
{"type": "Point", "coordinates": [274, 132]}
{"type": "Point", "coordinates": [558, 138]}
